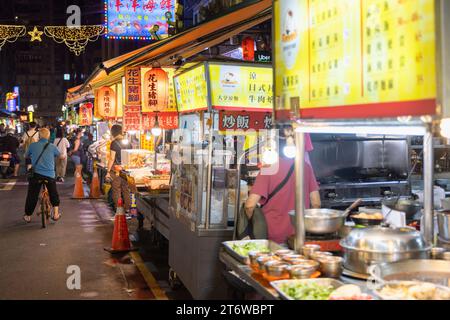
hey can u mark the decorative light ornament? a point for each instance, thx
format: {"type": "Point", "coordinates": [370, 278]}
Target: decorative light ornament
{"type": "Point", "coordinates": [75, 38]}
{"type": "Point", "coordinates": [156, 90]}
{"type": "Point", "coordinates": [148, 136]}
{"type": "Point", "coordinates": [36, 35]}
{"type": "Point", "coordinates": [11, 34]}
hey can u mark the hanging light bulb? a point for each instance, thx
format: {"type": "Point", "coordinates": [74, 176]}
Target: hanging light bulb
{"type": "Point", "coordinates": [270, 156]}
{"type": "Point", "coordinates": [290, 150]}
{"type": "Point", "coordinates": [156, 130]}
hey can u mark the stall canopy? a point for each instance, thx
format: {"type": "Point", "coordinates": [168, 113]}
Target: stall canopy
{"type": "Point", "coordinates": [182, 45]}
{"type": "Point", "coordinates": [75, 95]}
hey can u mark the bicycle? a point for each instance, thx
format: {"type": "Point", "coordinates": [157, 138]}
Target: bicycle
{"type": "Point", "coordinates": [45, 206]}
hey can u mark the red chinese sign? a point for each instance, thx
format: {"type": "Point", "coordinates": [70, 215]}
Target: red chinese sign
{"type": "Point", "coordinates": [133, 86]}
{"type": "Point", "coordinates": [106, 104]}
{"type": "Point", "coordinates": [131, 118]}
{"type": "Point", "coordinates": [85, 114]}
{"type": "Point", "coordinates": [243, 121]}
{"type": "Point", "coordinates": [156, 90]}
{"type": "Point", "coordinates": [166, 120]}
{"type": "Point", "coordinates": [248, 49]}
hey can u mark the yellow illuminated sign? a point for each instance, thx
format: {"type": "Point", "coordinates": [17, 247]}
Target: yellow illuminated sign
{"type": "Point", "coordinates": [191, 90]}
{"type": "Point", "coordinates": [355, 58]}
{"type": "Point", "coordinates": [235, 87]}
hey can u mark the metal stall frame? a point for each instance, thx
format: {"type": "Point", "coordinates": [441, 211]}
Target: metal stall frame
{"type": "Point", "coordinates": [416, 128]}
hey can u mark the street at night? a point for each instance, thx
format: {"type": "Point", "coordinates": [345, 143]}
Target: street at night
{"type": "Point", "coordinates": [224, 158]}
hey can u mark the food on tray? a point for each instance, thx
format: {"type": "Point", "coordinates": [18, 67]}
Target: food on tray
{"type": "Point", "coordinates": [244, 249]}
{"type": "Point", "coordinates": [369, 216]}
{"type": "Point", "coordinates": [413, 290]}
{"type": "Point", "coordinates": [307, 291]}
{"type": "Point", "coordinates": [349, 292]}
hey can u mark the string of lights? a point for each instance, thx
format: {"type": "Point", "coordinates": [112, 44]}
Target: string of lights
{"type": "Point", "coordinates": [9, 33]}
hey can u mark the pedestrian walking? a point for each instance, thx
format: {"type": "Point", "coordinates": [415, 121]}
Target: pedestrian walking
{"type": "Point", "coordinates": [42, 155]}
{"type": "Point", "coordinates": [118, 185]}
{"type": "Point", "coordinates": [77, 148]}
{"type": "Point", "coordinates": [62, 144]}
{"type": "Point", "coordinates": [29, 137]}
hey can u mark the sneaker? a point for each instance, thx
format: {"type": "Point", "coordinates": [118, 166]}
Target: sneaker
{"type": "Point", "coordinates": [58, 179]}
{"type": "Point", "coordinates": [61, 179]}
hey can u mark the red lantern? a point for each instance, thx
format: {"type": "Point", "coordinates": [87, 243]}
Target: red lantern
{"type": "Point", "coordinates": [248, 49]}
{"type": "Point", "coordinates": [106, 103]}
{"type": "Point", "coordinates": [156, 90]}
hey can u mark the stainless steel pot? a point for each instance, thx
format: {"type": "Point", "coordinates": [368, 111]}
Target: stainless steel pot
{"type": "Point", "coordinates": [322, 221]}
{"type": "Point", "coordinates": [365, 247]}
{"type": "Point", "coordinates": [444, 225]}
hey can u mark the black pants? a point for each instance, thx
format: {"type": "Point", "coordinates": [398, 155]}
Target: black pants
{"type": "Point", "coordinates": [34, 188]}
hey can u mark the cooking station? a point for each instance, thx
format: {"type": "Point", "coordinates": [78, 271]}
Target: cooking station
{"type": "Point", "coordinates": [350, 167]}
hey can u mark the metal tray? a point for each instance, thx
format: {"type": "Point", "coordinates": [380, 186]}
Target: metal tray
{"type": "Point", "coordinates": [321, 281]}
{"type": "Point", "coordinates": [434, 271]}
{"type": "Point", "coordinates": [228, 245]}
{"type": "Point", "coordinates": [377, 290]}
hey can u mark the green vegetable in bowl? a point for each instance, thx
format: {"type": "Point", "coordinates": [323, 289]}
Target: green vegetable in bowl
{"type": "Point", "coordinates": [307, 291]}
{"type": "Point", "coordinates": [243, 250]}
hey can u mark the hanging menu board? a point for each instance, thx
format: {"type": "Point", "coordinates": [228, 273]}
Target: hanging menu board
{"type": "Point", "coordinates": [354, 58]}
{"type": "Point", "coordinates": [236, 87]}
{"type": "Point", "coordinates": [191, 90]}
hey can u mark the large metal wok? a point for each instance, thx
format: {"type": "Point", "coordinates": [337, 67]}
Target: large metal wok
{"type": "Point", "coordinates": [409, 207]}
{"type": "Point", "coordinates": [322, 221]}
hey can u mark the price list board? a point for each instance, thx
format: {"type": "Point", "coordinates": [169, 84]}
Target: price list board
{"type": "Point", "coordinates": [355, 58]}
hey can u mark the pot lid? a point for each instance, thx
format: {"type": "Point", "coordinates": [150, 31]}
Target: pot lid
{"type": "Point", "coordinates": [385, 240]}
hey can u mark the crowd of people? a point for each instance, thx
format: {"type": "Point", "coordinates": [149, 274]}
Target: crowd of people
{"type": "Point", "coordinates": [71, 145]}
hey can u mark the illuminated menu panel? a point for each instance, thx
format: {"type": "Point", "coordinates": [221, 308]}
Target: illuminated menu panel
{"type": "Point", "coordinates": [235, 87]}
{"type": "Point", "coordinates": [191, 90]}
{"type": "Point", "coordinates": [354, 58]}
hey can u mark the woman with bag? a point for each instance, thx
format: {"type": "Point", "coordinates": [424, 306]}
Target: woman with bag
{"type": "Point", "coordinates": [276, 194]}
{"type": "Point", "coordinates": [61, 162]}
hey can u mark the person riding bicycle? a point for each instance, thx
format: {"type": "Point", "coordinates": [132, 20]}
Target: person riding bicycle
{"type": "Point", "coordinates": [42, 154]}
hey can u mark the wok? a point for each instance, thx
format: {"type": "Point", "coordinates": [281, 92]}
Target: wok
{"type": "Point", "coordinates": [321, 221]}
{"type": "Point", "coordinates": [409, 207]}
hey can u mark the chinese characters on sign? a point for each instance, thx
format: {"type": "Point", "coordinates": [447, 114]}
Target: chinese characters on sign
{"type": "Point", "coordinates": [136, 19]}
{"type": "Point", "coordinates": [355, 59]}
{"type": "Point", "coordinates": [243, 121]}
{"type": "Point", "coordinates": [133, 86]}
{"type": "Point", "coordinates": [106, 107]}
{"type": "Point", "coordinates": [248, 88]}
{"type": "Point", "coordinates": [166, 120]}
{"type": "Point", "coordinates": [85, 114]}
{"type": "Point", "coordinates": [131, 118]}
{"type": "Point", "coordinates": [191, 90]}
{"type": "Point", "coordinates": [156, 90]}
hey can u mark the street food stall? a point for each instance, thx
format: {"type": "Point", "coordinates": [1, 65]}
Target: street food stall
{"type": "Point", "coordinates": [361, 103]}
{"type": "Point", "coordinates": [215, 100]}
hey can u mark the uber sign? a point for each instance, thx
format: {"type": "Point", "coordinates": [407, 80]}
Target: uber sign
{"type": "Point", "coordinates": [263, 56]}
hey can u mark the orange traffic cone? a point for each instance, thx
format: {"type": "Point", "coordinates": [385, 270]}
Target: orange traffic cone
{"type": "Point", "coordinates": [78, 192]}
{"type": "Point", "coordinates": [120, 241]}
{"type": "Point", "coordinates": [95, 186]}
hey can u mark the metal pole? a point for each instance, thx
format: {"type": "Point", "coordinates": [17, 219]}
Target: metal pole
{"type": "Point", "coordinates": [428, 167]}
{"type": "Point", "coordinates": [210, 172]}
{"type": "Point", "coordinates": [299, 192]}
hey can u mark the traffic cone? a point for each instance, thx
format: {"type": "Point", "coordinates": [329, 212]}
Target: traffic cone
{"type": "Point", "coordinates": [78, 192]}
{"type": "Point", "coordinates": [95, 186]}
{"type": "Point", "coordinates": [120, 241]}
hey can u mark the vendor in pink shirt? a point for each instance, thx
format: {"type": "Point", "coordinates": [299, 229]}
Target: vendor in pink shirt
{"type": "Point", "coordinates": [276, 211]}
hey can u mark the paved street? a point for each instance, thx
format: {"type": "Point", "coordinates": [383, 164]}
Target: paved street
{"type": "Point", "coordinates": [34, 261]}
